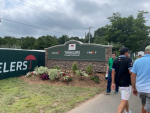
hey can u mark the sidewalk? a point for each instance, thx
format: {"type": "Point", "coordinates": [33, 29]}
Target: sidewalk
{"type": "Point", "coordinates": [107, 104]}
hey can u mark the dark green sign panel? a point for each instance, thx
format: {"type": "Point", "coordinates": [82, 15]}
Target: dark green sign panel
{"type": "Point", "coordinates": [75, 50]}
{"type": "Point", "coordinates": [14, 63]}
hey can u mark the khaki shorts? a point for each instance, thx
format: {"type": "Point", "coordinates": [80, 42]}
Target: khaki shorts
{"type": "Point", "coordinates": [125, 92]}
{"type": "Point", "coordinates": [145, 99]}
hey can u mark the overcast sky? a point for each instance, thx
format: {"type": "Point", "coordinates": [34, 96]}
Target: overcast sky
{"type": "Point", "coordinates": [62, 17]}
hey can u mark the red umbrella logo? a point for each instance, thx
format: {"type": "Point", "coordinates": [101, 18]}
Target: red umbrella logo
{"type": "Point", "coordinates": [30, 57]}
{"type": "Point", "coordinates": [72, 46]}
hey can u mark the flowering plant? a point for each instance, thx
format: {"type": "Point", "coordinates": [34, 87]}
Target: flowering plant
{"type": "Point", "coordinates": [33, 73]}
{"type": "Point", "coordinates": [67, 78]}
{"type": "Point", "coordinates": [63, 73]}
{"type": "Point", "coordinates": [44, 77]}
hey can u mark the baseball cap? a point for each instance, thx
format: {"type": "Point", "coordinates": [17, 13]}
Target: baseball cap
{"type": "Point", "coordinates": [147, 48]}
{"type": "Point", "coordinates": [123, 50]}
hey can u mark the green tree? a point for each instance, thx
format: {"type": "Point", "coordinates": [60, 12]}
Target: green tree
{"type": "Point", "coordinates": [1, 41]}
{"type": "Point", "coordinates": [45, 42]}
{"type": "Point", "coordinates": [128, 31]}
{"type": "Point", "coordinates": [100, 35]}
{"type": "Point", "coordinates": [86, 40]}
{"type": "Point", "coordinates": [100, 40]}
{"type": "Point", "coordinates": [28, 43]}
{"type": "Point", "coordinates": [10, 41]}
{"type": "Point", "coordinates": [82, 40]}
{"type": "Point", "coordinates": [63, 39]}
{"type": "Point", "coordinates": [74, 38]}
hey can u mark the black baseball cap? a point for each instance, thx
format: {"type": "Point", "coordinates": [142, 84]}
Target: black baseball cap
{"type": "Point", "coordinates": [123, 50]}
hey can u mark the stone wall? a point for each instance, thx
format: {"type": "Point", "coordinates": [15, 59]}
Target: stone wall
{"type": "Point", "coordinates": [67, 64]}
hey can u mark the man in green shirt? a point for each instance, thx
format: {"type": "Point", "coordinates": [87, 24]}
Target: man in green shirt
{"type": "Point", "coordinates": [109, 70]}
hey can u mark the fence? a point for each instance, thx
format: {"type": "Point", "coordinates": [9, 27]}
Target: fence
{"type": "Point", "coordinates": [17, 62]}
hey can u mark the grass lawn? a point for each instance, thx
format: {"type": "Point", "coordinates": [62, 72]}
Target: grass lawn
{"type": "Point", "coordinates": [17, 96]}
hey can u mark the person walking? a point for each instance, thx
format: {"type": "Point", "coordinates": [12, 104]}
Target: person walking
{"type": "Point", "coordinates": [141, 77]}
{"type": "Point", "coordinates": [109, 71]}
{"type": "Point", "coordinates": [121, 74]}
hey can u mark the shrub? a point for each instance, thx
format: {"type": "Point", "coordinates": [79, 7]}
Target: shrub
{"type": "Point", "coordinates": [41, 70]}
{"type": "Point", "coordinates": [95, 78]}
{"type": "Point", "coordinates": [74, 67]}
{"type": "Point", "coordinates": [57, 67]}
{"type": "Point", "coordinates": [53, 74]}
{"type": "Point", "coordinates": [36, 69]}
{"type": "Point", "coordinates": [89, 69]}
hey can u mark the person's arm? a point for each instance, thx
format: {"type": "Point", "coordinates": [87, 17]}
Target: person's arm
{"type": "Point", "coordinates": [133, 81]}
{"type": "Point", "coordinates": [113, 79]}
{"type": "Point", "coordinates": [130, 65]}
{"type": "Point", "coordinates": [133, 78]}
{"type": "Point", "coordinates": [113, 76]}
{"type": "Point", "coordinates": [107, 69]}
{"type": "Point", "coordinates": [130, 71]}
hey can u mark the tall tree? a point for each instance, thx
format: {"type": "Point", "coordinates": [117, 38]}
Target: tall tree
{"type": "Point", "coordinates": [1, 40]}
{"type": "Point", "coordinates": [28, 43]}
{"type": "Point", "coordinates": [74, 38]}
{"type": "Point", "coordinates": [10, 41]}
{"type": "Point", "coordinates": [100, 35]}
{"type": "Point", "coordinates": [63, 39]}
{"type": "Point", "coordinates": [45, 42]}
{"type": "Point", "coordinates": [128, 31]}
{"type": "Point", "coordinates": [100, 40]}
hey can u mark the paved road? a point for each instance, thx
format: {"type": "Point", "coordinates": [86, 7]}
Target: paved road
{"type": "Point", "coordinates": [107, 104]}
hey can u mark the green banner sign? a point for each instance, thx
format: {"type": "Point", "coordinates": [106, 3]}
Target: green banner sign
{"type": "Point", "coordinates": [75, 50]}
{"type": "Point", "coordinates": [14, 63]}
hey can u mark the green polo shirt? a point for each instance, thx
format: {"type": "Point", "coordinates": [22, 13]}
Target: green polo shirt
{"type": "Point", "coordinates": [110, 63]}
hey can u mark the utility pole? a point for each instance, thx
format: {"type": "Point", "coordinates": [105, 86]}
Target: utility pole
{"type": "Point", "coordinates": [89, 33]}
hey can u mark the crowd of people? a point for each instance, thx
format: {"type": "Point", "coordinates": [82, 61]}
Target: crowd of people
{"type": "Point", "coordinates": [125, 76]}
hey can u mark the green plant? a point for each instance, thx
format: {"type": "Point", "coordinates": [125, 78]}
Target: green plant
{"type": "Point", "coordinates": [29, 74]}
{"type": "Point", "coordinates": [81, 73]}
{"type": "Point", "coordinates": [57, 67]}
{"type": "Point", "coordinates": [89, 69]}
{"type": "Point", "coordinates": [36, 69]}
{"type": "Point", "coordinates": [78, 72]}
{"type": "Point", "coordinates": [63, 73]}
{"type": "Point", "coordinates": [85, 74]}
{"type": "Point", "coordinates": [67, 78]}
{"type": "Point", "coordinates": [74, 67]}
{"type": "Point", "coordinates": [53, 74]}
{"type": "Point", "coordinates": [95, 78]}
{"type": "Point", "coordinates": [41, 70]}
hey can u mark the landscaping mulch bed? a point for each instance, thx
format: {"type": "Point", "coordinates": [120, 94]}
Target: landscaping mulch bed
{"type": "Point", "coordinates": [76, 81]}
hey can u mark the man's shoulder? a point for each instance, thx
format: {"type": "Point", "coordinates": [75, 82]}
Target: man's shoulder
{"type": "Point", "coordinates": [115, 60]}
{"type": "Point", "coordinates": [137, 61]}
{"type": "Point", "coordinates": [126, 58]}
{"type": "Point", "coordinates": [110, 58]}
